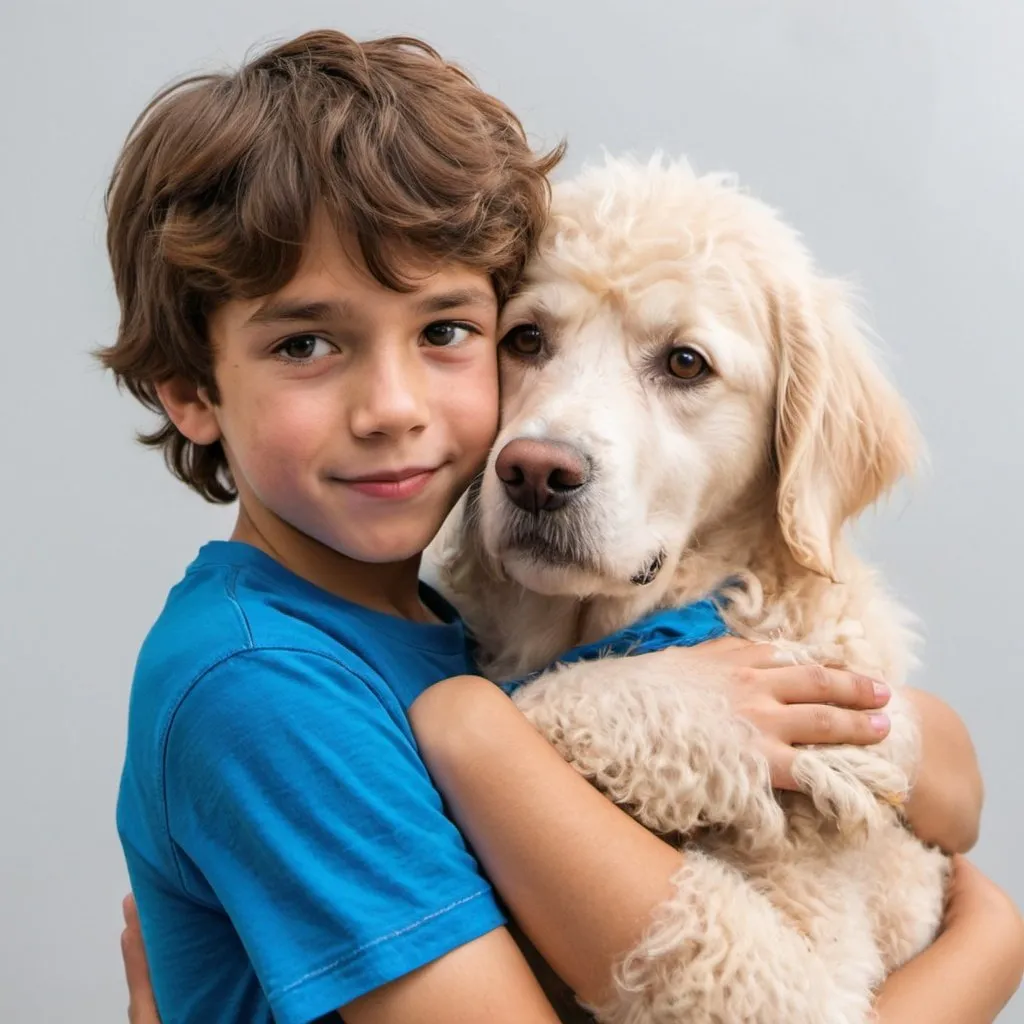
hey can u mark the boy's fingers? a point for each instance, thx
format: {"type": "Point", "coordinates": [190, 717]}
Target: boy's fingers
{"type": "Point", "coordinates": [136, 970]}
{"type": "Point", "coordinates": [799, 683]}
{"type": "Point", "coordinates": [815, 684]}
{"type": "Point", "coordinates": [141, 1004]}
{"type": "Point", "coordinates": [804, 724]}
{"type": "Point", "coordinates": [780, 766]}
{"type": "Point", "coordinates": [130, 911]}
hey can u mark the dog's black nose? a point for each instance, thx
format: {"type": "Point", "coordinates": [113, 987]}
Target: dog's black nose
{"type": "Point", "coordinates": [541, 476]}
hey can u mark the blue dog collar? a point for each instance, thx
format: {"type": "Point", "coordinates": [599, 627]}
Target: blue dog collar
{"type": "Point", "coordinates": [672, 627]}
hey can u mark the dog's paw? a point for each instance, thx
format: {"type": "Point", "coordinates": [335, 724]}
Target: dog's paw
{"type": "Point", "coordinates": [851, 786]}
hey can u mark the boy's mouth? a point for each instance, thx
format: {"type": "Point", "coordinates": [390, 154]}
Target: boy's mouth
{"type": "Point", "coordinates": [393, 484]}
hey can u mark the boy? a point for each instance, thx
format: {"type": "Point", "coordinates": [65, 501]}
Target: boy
{"type": "Point", "coordinates": [275, 238]}
{"type": "Point", "coordinates": [310, 256]}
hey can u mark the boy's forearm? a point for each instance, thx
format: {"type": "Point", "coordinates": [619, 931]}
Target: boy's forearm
{"type": "Point", "coordinates": [945, 803]}
{"type": "Point", "coordinates": [581, 877]}
{"type": "Point", "coordinates": [951, 982]}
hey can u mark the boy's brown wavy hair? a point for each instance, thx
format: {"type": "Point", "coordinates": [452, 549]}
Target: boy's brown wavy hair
{"type": "Point", "coordinates": [212, 197]}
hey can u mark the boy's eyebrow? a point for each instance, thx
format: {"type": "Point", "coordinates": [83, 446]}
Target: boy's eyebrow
{"type": "Point", "coordinates": [453, 299]}
{"type": "Point", "coordinates": [294, 310]}
{"type": "Point", "coordinates": [288, 311]}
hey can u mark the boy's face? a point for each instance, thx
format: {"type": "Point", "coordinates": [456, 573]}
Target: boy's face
{"type": "Point", "coordinates": [352, 413]}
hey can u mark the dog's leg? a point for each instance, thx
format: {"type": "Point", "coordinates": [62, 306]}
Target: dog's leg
{"type": "Point", "coordinates": [660, 741]}
{"type": "Point", "coordinates": [857, 786]}
{"type": "Point", "coordinates": [717, 952]}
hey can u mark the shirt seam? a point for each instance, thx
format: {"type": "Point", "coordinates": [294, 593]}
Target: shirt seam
{"type": "Point", "coordinates": [233, 598]}
{"type": "Point", "coordinates": [388, 937]}
{"type": "Point", "coordinates": [200, 676]}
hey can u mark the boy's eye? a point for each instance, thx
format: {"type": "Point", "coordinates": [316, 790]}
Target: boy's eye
{"type": "Point", "coordinates": [303, 348]}
{"type": "Point", "coordinates": [447, 334]}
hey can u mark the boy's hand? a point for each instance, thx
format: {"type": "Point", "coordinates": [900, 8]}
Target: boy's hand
{"type": "Point", "coordinates": [141, 1004]}
{"type": "Point", "coordinates": [793, 705]}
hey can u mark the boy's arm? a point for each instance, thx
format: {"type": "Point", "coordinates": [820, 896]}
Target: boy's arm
{"type": "Point", "coordinates": [583, 879]}
{"type": "Point", "coordinates": [945, 802]}
{"type": "Point", "coordinates": [484, 980]}
{"type": "Point", "coordinates": [299, 803]}
{"type": "Point", "coordinates": [971, 970]}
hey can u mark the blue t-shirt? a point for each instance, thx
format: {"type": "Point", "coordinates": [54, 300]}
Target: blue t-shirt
{"type": "Point", "coordinates": [287, 849]}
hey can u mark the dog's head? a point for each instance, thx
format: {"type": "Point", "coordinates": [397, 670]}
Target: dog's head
{"type": "Point", "coordinates": [672, 357]}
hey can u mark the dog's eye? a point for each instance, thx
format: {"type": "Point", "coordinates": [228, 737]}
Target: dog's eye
{"type": "Point", "coordinates": [687, 363]}
{"type": "Point", "coordinates": [526, 341]}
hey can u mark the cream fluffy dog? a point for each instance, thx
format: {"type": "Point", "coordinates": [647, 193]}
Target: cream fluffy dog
{"type": "Point", "coordinates": [690, 408]}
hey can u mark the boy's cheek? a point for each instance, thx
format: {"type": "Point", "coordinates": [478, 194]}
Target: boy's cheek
{"type": "Point", "coordinates": [271, 450]}
{"type": "Point", "coordinates": [478, 399]}
{"type": "Point", "coordinates": [294, 426]}
{"type": "Point", "coordinates": [478, 415]}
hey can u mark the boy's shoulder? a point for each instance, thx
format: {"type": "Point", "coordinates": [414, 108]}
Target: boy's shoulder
{"type": "Point", "coordinates": [234, 599]}
{"type": "Point", "coordinates": [237, 612]}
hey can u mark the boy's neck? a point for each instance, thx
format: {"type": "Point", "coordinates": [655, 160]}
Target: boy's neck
{"type": "Point", "coordinates": [392, 588]}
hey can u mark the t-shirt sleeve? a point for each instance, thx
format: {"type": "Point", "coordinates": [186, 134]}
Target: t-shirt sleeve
{"type": "Point", "coordinates": [298, 802]}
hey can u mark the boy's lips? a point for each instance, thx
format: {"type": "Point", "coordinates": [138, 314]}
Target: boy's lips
{"type": "Point", "coordinates": [399, 483]}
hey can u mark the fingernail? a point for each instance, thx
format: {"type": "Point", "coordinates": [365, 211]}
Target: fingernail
{"type": "Point", "coordinates": [879, 722]}
{"type": "Point", "coordinates": [882, 692]}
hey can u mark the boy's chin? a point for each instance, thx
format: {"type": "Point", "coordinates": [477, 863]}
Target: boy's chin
{"type": "Point", "coordinates": [388, 548]}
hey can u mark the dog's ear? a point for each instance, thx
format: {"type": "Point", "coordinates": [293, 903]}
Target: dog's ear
{"type": "Point", "coordinates": [843, 436]}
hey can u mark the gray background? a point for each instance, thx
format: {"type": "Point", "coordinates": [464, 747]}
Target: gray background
{"type": "Point", "coordinates": [889, 130]}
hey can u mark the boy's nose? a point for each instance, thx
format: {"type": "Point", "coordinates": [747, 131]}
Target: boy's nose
{"type": "Point", "coordinates": [391, 402]}
{"type": "Point", "coordinates": [541, 476]}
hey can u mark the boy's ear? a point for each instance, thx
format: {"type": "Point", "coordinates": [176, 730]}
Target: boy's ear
{"type": "Point", "coordinates": [189, 408]}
